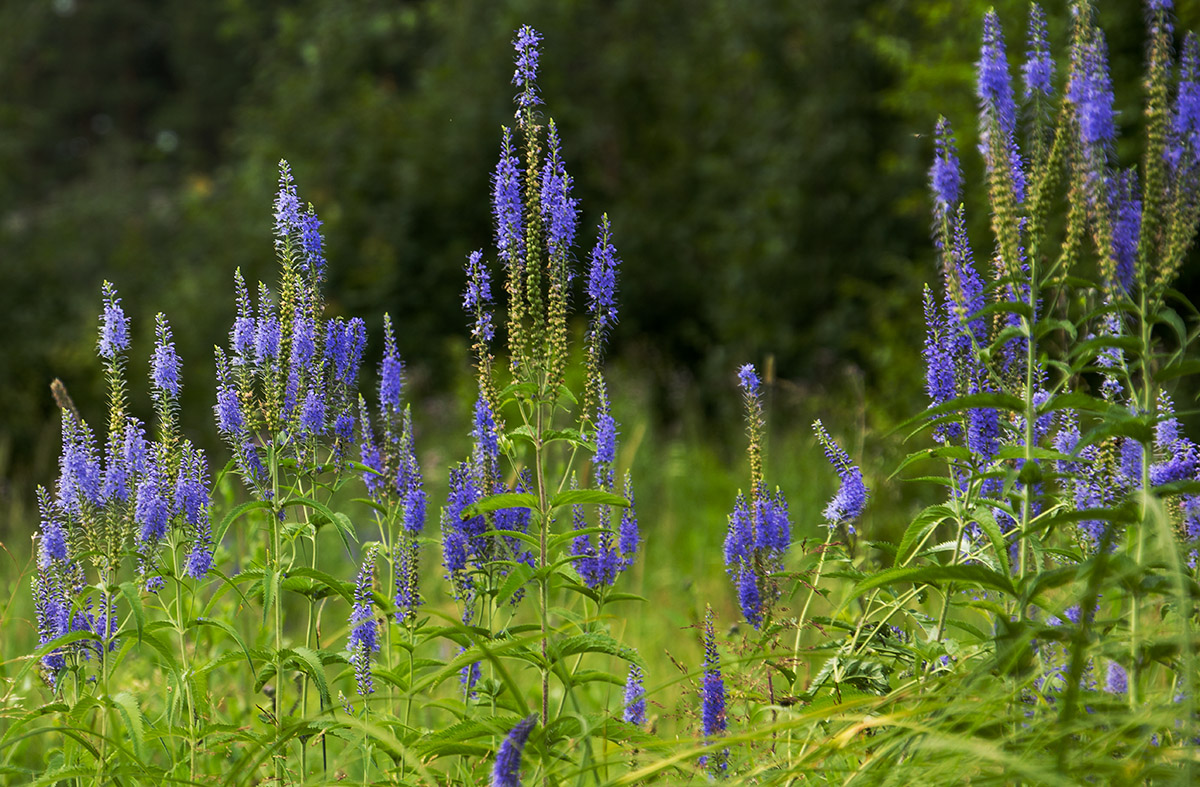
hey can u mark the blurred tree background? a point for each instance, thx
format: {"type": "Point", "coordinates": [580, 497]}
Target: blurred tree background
{"type": "Point", "coordinates": [763, 165]}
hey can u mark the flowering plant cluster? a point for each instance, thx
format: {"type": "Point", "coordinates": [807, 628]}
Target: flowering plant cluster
{"type": "Point", "coordinates": [1051, 583]}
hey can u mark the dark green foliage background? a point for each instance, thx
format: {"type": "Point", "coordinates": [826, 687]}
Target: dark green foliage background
{"type": "Point", "coordinates": [763, 165]}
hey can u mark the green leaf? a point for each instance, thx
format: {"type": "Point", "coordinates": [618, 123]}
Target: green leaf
{"type": "Point", "coordinates": [1179, 368]}
{"type": "Point", "coordinates": [1118, 426]}
{"type": "Point", "coordinates": [614, 597]}
{"type": "Point", "coordinates": [941, 452]}
{"type": "Point", "coordinates": [1170, 317]}
{"type": "Point", "coordinates": [925, 521]}
{"type": "Point", "coordinates": [270, 586]}
{"type": "Point", "coordinates": [1018, 452]}
{"type": "Point", "coordinates": [134, 598]}
{"type": "Point", "coordinates": [499, 502]}
{"type": "Point", "coordinates": [516, 578]}
{"type": "Point", "coordinates": [309, 662]}
{"type": "Point", "coordinates": [232, 516]}
{"type": "Point", "coordinates": [571, 497]}
{"type": "Point", "coordinates": [1046, 325]}
{"type": "Point", "coordinates": [345, 529]}
{"type": "Point", "coordinates": [1004, 307]}
{"type": "Point", "coordinates": [594, 642]}
{"type": "Point", "coordinates": [1009, 333]}
{"type": "Point", "coordinates": [935, 575]}
{"type": "Point", "coordinates": [595, 676]}
{"type": "Point", "coordinates": [228, 629]}
{"type": "Point", "coordinates": [1074, 400]}
{"type": "Point", "coordinates": [987, 523]}
{"type": "Point", "coordinates": [135, 722]}
{"type": "Point", "coordinates": [341, 587]}
{"type": "Point", "coordinates": [513, 390]}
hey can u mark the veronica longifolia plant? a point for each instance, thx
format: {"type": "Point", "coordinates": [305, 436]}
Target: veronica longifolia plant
{"type": "Point", "coordinates": [760, 532]}
{"type": "Point", "coordinates": [498, 524]}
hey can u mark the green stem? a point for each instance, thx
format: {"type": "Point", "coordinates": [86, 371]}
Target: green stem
{"type": "Point", "coordinates": [180, 628]}
{"type": "Point", "coordinates": [104, 638]}
{"type": "Point", "coordinates": [1148, 402]}
{"type": "Point", "coordinates": [277, 612]}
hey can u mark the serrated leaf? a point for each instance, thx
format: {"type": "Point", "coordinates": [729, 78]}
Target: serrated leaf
{"type": "Point", "coordinates": [138, 610]}
{"type": "Point", "coordinates": [228, 629]}
{"type": "Point", "coordinates": [234, 514]}
{"type": "Point", "coordinates": [341, 587]}
{"type": "Point", "coordinates": [986, 520]}
{"type": "Point", "coordinates": [135, 722]}
{"type": "Point", "coordinates": [309, 662]}
{"type": "Point", "coordinates": [934, 575]}
{"type": "Point", "coordinates": [516, 578]}
{"type": "Point", "coordinates": [925, 521]}
{"type": "Point", "coordinates": [1180, 368]}
{"type": "Point", "coordinates": [270, 587]}
{"type": "Point", "coordinates": [499, 502]}
{"type": "Point", "coordinates": [595, 642]}
{"type": "Point", "coordinates": [587, 497]}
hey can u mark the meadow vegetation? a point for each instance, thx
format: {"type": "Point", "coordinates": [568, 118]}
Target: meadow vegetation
{"type": "Point", "coordinates": [557, 593]}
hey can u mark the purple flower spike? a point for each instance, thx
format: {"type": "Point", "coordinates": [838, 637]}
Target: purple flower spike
{"type": "Point", "coordinates": [152, 510]}
{"type": "Point", "coordinates": [192, 499]}
{"type": "Point", "coordinates": [1116, 681]}
{"type": "Point", "coordinates": [228, 408]}
{"type": "Point", "coordinates": [312, 413]}
{"type": "Point", "coordinates": [995, 86]}
{"type": "Point", "coordinates": [507, 772]}
{"type": "Point", "coordinates": [506, 202]}
{"type": "Point", "coordinates": [635, 697]}
{"type": "Point", "coordinates": [80, 481]}
{"type": "Point", "coordinates": [628, 537]}
{"type": "Point", "coordinates": [477, 298]}
{"type": "Point", "coordinates": [114, 325]}
{"type": "Point", "coordinates": [939, 359]}
{"type": "Point", "coordinates": [53, 546]}
{"type": "Point", "coordinates": [739, 540]}
{"type": "Point", "coordinates": [116, 471]}
{"type": "Point", "coordinates": [391, 371]}
{"type": "Point", "coordinates": [945, 177]}
{"type": "Point", "coordinates": [525, 76]}
{"type": "Point", "coordinates": [1185, 120]}
{"type": "Point", "coordinates": [345, 351]}
{"type": "Point", "coordinates": [1038, 70]}
{"type": "Point", "coordinates": [712, 698]}
{"type": "Point", "coordinates": [364, 631]}
{"type": "Point", "coordinates": [164, 365]}
{"type": "Point", "coordinates": [287, 206]}
{"type": "Point", "coordinates": [312, 244]}
{"type": "Point", "coordinates": [750, 596]}
{"type": "Point", "coordinates": [851, 498]}
{"type": "Point", "coordinates": [606, 436]}
{"type": "Point", "coordinates": [748, 380]}
{"type": "Point", "coordinates": [560, 210]}
{"type": "Point", "coordinates": [1091, 92]}
{"type": "Point", "coordinates": [1126, 207]}
{"type": "Point", "coordinates": [266, 336]}
{"type": "Point", "coordinates": [244, 332]}
{"type": "Point", "coordinates": [602, 281]}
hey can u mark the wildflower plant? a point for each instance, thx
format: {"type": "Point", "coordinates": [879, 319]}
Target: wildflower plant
{"type": "Point", "coordinates": [1047, 370]}
{"type": "Point", "coordinates": [498, 527]}
{"type": "Point", "coordinates": [759, 529]}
